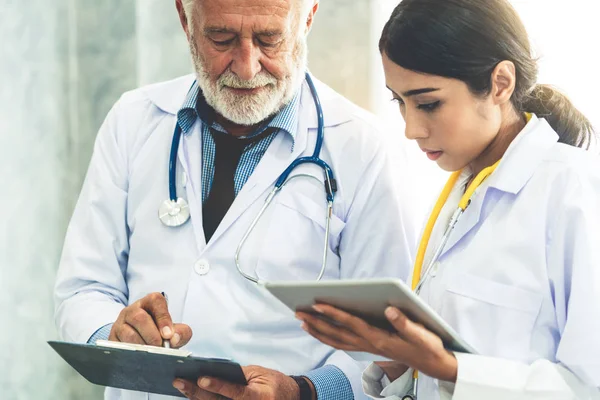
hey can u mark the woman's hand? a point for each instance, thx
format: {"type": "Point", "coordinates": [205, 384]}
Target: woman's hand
{"type": "Point", "coordinates": [392, 369]}
{"type": "Point", "coordinates": [411, 344]}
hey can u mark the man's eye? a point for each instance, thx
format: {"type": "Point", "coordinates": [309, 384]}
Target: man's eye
{"type": "Point", "coordinates": [222, 42]}
{"type": "Point", "coordinates": [267, 44]}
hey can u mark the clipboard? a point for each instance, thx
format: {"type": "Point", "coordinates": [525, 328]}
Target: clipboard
{"type": "Point", "coordinates": [145, 369]}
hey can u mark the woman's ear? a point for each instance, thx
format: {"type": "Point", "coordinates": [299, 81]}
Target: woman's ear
{"type": "Point", "coordinates": [504, 79]}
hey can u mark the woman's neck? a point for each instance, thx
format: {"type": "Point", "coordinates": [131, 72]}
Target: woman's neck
{"type": "Point", "coordinates": [509, 130]}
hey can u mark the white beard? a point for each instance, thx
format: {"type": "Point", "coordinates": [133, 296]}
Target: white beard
{"type": "Point", "coordinates": [250, 109]}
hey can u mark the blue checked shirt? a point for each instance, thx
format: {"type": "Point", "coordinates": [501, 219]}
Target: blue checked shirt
{"type": "Point", "coordinates": [329, 381]}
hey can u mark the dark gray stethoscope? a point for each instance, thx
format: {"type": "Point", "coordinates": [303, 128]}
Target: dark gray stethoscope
{"type": "Point", "coordinates": [176, 212]}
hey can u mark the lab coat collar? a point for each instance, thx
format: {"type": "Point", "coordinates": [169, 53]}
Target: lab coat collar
{"type": "Point", "coordinates": [278, 157]}
{"type": "Point", "coordinates": [518, 165]}
{"type": "Point", "coordinates": [523, 156]}
{"type": "Point", "coordinates": [170, 96]}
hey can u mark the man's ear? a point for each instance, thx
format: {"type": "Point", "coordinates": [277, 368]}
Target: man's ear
{"type": "Point", "coordinates": [183, 18]}
{"type": "Point", "coordinates": [504, 79]}
{"type": "Point", "coordinates": [311, 15]}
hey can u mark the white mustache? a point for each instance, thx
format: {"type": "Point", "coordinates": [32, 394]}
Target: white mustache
{"type": "Point", "coordinates": [229, 79]}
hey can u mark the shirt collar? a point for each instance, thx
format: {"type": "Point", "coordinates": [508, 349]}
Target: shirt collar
{"type": "Point", "coordinates": [195, 107]}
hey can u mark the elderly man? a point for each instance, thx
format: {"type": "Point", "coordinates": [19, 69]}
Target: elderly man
{"type": "Point", "coordinates": [246, 114]}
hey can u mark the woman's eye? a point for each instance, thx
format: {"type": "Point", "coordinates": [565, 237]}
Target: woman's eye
{"type": "Point", "coordinates": [398, 100]}
{"type": "Point", "coordinates": [430, 107]}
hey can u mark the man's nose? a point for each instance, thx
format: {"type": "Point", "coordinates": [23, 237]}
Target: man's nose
{"type": "Point", "coordinates": [246, 62]}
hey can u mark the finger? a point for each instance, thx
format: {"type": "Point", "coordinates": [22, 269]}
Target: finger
{"type": "Point", "coordinates": [223, 388]}
{"type": "Point", "coordinates": [127, 334]}
{"type": "Point", "coordinates": [329, 341]}
{"type": "Point", "coordinates": [156, 305]}
{"type": "Point", "coordinates": [408, 330]}
{"type": "Point", "coordinates": [182, 335]}
{"type": "Point", "coordinates": [342, 317]}
{"type": "Point", "coordinates": [143, 323]}
{"type": "Point", "coordinates": [192, 391]}
{"type": "Point", "coordinates": [339, 334]}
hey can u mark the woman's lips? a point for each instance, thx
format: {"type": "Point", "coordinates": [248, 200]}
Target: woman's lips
{"type": "Point", "coordinates": [433, 155]}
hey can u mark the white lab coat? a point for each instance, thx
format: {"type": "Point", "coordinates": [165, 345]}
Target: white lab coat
{"type": "Point", "coordinates": [117, 251]}
{"type": "Point", "coordinates": [519, 279]}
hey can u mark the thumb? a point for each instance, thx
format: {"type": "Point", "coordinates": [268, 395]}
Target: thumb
{"type": "Point", "coordinates": [181, 337]}
{"type": "Point", "coordinates": [405, 328]}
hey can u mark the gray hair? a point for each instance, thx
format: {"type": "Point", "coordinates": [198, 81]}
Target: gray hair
{"type": "Point", "coordinates": [188, 6]}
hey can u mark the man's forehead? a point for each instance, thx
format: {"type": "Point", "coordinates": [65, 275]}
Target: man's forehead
{"type": "Point", "coordinates": [249, 8]}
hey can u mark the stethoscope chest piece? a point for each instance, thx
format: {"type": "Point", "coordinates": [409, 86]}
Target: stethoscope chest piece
{"type": "Point", "coordinates": [174, 213]}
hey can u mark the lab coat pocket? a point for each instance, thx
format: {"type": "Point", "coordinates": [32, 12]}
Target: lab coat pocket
{"type": "Point", "coordinates": [295, 239]}
{"type": "Point", "coordinates": [495, 318]}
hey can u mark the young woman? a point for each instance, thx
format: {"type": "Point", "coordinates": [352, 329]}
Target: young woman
{"type": "Point", "coordinates": [516, 271]}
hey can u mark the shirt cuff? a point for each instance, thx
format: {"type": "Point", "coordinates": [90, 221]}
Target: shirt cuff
{"type": "Point", "coordinates": [378, 386]}
{"type": "Point", "coordinates": [330, 383]}
{"type": "Point", "coordinates": [101, 334]}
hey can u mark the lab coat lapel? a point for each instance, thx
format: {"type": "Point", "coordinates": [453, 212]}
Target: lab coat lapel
{"type": "Point", "coordinates": [518, 165]}
{"type": "Point", "coordinates": [275, 160]}
{"type": "Point", "coordinates": [279, 155]}
{"type": "Point", "coordinates": [469, 219]}
{"type": "Point", "coordinates": [189, 170]}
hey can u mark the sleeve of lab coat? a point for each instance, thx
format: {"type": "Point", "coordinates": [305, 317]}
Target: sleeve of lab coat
{"type": "Point", "coordinates": [376, 384]}
{"type": "Point", "coordinates": [379, 237]}
{"type": "Point", "coordinates": [573, 255]}
{"type": "Point", "coordinates": [90, 290]}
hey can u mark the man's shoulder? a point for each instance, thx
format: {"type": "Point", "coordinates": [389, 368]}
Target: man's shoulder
{"type": "Point", "coordinates": [346, 110]}
{"type": "Point", "coordinates": [167, 95]}
{"type": "Point", "coordinates": [352, 123]}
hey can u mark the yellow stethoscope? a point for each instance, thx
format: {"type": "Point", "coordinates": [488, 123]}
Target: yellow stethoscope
{"type": "Point", "coordinates": [465, 201]}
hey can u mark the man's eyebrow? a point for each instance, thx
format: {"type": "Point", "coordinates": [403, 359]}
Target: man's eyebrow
{"type": "Point", "coordinates": [210, 30]}
{"type": "Point", "coordinates": [269, 33]}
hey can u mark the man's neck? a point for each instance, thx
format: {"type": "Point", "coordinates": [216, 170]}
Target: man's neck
{"type": "Point", "coordinates": [235, 129]}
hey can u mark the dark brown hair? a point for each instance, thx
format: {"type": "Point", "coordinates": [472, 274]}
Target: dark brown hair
{"type": "Point", "coordinates": [466, 40]}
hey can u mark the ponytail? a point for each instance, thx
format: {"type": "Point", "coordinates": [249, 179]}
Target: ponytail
{"type": "Point", "coordinates": [572, 126]}
{"type": "Point", "coordinates": [465, 40]}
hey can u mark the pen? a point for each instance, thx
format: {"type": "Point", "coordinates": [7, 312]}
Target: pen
{"type": "Point", "coordinates": [166, 343]}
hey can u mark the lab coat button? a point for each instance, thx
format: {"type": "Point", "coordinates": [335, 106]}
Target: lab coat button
{"type": "Point", "coordinates": [202, 267]}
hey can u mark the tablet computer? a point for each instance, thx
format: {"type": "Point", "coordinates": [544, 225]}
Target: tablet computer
{"type": "Point", "coordinates": [145, 369]}
{"type": "Point", "coordinates": [368, 299]}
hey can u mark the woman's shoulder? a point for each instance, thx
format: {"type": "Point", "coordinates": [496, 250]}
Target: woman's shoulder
{"type": "Point", "coordinates": [567, 168]}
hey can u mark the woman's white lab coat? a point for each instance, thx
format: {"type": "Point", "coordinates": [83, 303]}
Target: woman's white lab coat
{"type": "Point", "coordinates": [519, 279]}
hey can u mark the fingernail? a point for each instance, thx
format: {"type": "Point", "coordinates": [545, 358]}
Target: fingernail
{"type": "Point", "coordinates": [318, 309]}
{"type": "Point", "coordinates": [204, 382]}
{"type": "Point", "coordinates": [166, 331]}
{"type": "Point", "coordinates": [303, 326]}
{"type": "Point", "coordinates": [178, 385]}
{"type": "Point", "coordinates": [391, 313]}
{"type": "Point", "coordinates": [176, 339]}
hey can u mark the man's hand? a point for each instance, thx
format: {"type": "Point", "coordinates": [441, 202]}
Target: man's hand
{"type": "Point", "coordinates": [263, 384]}
{"type": "Point", "coordinates": [147, 321]}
